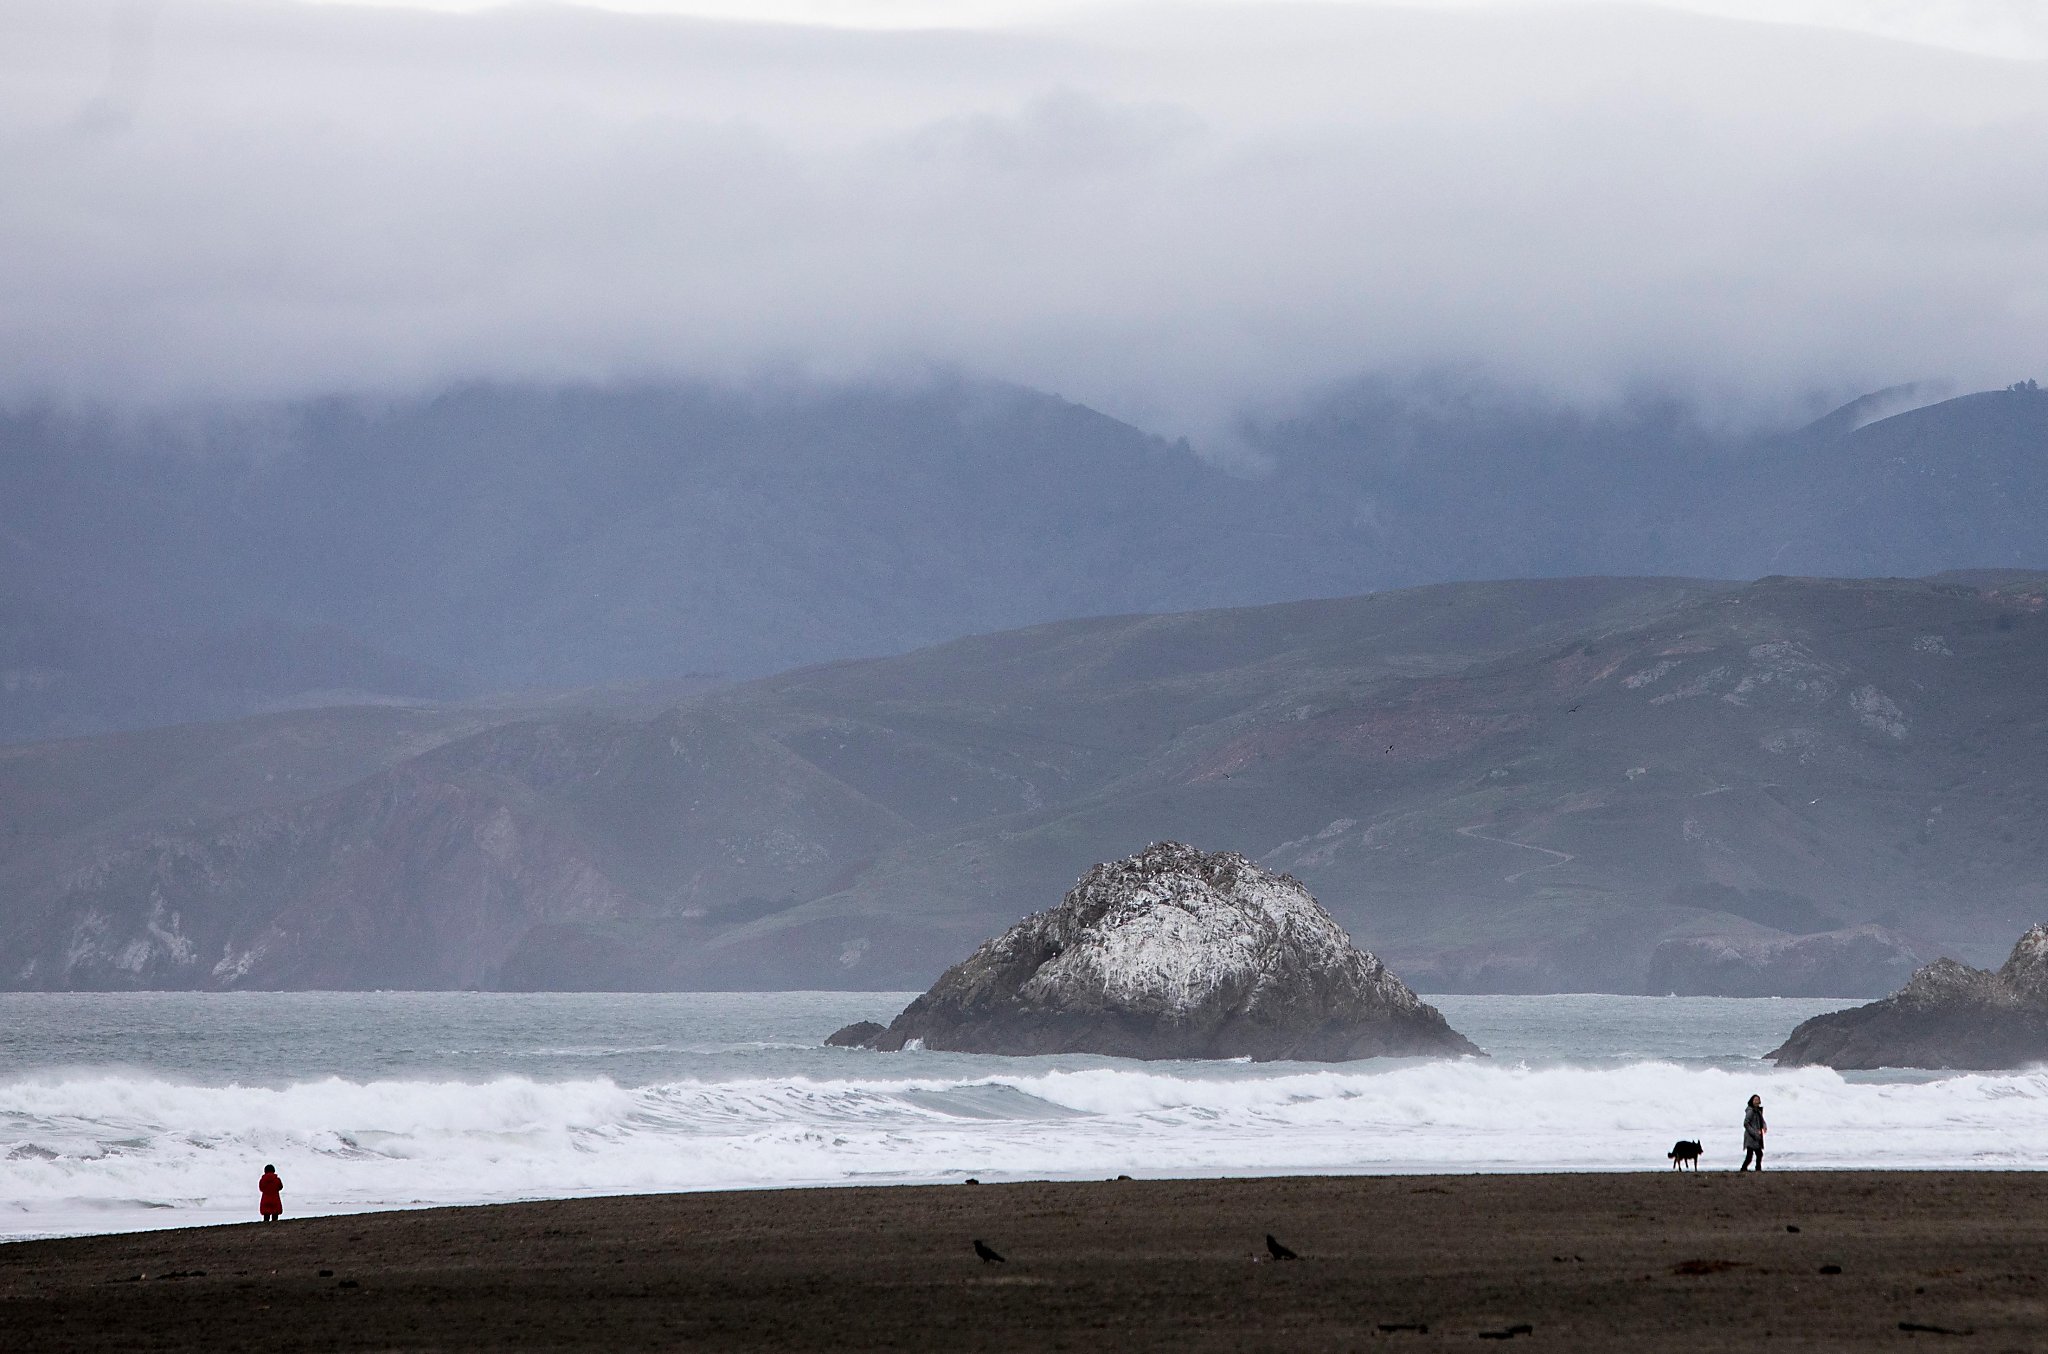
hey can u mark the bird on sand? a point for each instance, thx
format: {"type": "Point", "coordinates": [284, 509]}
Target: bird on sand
{"type": "Point", "coordinates": [1278, 1251]}
{"type": "Point", "coordinates": [987, 1253]}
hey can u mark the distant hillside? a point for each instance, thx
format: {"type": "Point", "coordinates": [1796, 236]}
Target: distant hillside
{"type": "Point", "coordinates": [64, 674]}
{"type": "Point", "coordinates": [1611, 784]}
{"type": "Point", "coordinates": [527, 537]}
{"type": "Point", "coordinates": [496, 538]}
{"type": "Point", "coordinates": [1956, 484]}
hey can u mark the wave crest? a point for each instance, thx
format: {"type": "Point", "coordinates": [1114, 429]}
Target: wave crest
{"type": "Point", "coordinates": [74, 1146]}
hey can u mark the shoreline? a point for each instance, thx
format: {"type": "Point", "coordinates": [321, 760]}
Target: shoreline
{"type": "Point", "coordinates": [218, 1218]}
{"type": "Point", "coordinates": [1586, 1260]}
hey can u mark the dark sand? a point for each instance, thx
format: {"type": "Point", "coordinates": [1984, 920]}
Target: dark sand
{"type": "Point", "coordinates": [1588, 1262]}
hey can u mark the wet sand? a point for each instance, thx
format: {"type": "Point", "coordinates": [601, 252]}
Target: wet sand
{"type": "Point", "coordinates": [1650, 1261]}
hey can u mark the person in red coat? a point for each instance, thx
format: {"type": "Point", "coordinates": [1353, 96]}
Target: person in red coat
{"type": "Point", "coordinates": [272, 1203]}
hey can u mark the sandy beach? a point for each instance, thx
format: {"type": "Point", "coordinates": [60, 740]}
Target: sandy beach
{"type": "Point", "coordinates": [1713, 1262]}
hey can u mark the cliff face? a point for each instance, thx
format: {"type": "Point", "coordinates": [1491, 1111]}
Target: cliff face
{"type": "Point", "coordinates": [1849, 961]}
{"type": "Point", "coordinates": [363, 859]}
{"type": "Point", "coordinates": [1176, 953]}
{"type": "Point", "coordinates": [1947, 1015]}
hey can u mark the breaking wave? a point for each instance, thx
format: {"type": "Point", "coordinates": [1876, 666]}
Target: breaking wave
{"type": "Point", "coordinates": [103, 1150]}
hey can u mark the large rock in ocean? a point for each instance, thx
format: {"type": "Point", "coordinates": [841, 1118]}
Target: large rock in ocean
{"type": "Point", "coordinates": [1947, 1015]}
{"type": "Point", "coordinates": [1175, 953]}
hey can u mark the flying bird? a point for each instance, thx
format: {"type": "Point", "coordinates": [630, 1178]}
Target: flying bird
{"type": "Point", "coordinates": [987, 1253]}
{"type": "Point", "coordinates": [1278, 1251]}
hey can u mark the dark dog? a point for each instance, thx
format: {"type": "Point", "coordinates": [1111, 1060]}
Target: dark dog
{"type": "Point", "coordinates": [1683, 1152]}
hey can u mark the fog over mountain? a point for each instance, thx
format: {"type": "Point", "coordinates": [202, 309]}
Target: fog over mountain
{"type": "Point", "coordinates": [1171, 213]}
{"type": "Point", "coordinates": [688, 491]}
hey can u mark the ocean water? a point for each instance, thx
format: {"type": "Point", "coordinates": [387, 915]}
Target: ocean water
{"type": "Point", "coordinates": [127, 1111]}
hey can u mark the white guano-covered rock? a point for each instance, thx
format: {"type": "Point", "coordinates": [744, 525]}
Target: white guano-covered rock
{"type": "Point", "coordinates": [1176, 953]}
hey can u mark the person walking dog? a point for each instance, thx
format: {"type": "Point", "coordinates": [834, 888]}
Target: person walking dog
{"type": "Point", "coordinates": [1753, 1130]}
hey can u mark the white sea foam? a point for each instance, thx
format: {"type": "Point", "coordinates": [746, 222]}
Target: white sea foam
{"type": "Point", "coordinates": [373, 1100]}
{"type": "Point", "coordinates": [97, 1150]}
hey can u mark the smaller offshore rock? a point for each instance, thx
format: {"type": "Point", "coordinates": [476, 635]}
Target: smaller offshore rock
{"type": "Point", "coordinates": [860, 1034]}
{"type": "Point", "coordinates": [1176, 953]}
{"type": "Point", "coordinates": [1948, 1015]}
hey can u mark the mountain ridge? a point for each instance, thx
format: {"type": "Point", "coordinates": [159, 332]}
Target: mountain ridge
{"type": "Point", "coordinates": [1594, 784]}
{"type": "Point", "coordinates": [509, 538]}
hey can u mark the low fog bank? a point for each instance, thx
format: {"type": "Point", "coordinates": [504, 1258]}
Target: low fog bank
{"type": "Point", "coordinates": [1171, 213]}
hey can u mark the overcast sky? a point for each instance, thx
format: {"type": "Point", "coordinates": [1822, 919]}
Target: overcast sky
{"type": "Point", "coordinates": [1168, 211]}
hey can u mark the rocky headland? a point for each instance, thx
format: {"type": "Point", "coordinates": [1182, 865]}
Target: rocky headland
{"type": "Point", "coordinates": [1948, 1015]}
{"type": "Point", "coordinates": [1852, 960]}
{"type": "Point", "coordinates": [1174, 953]}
